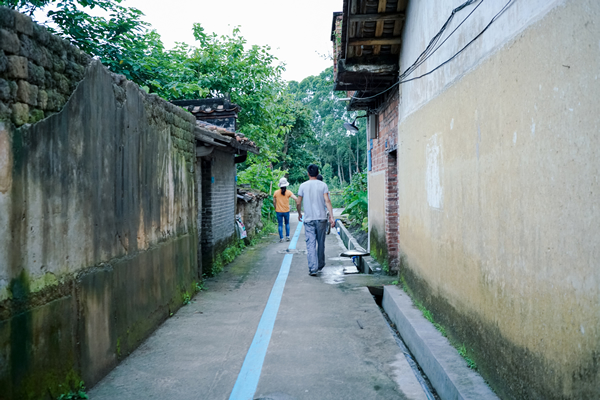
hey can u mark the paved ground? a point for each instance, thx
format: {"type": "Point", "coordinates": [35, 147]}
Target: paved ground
{"type": "Point", "coordinates": [329, 340]}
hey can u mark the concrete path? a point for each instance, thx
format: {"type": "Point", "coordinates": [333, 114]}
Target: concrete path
{"type": "Point", "coordinates": [329, 339]}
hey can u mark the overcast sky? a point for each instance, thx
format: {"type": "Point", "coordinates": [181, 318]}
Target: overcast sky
{"type": "Point", "coordinates": [297, 31]}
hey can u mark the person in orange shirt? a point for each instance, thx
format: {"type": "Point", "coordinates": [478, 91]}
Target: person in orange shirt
{"type": "Point", "coordinates": [281, 201]}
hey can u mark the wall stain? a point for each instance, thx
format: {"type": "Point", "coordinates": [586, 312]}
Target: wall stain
{"type": "Point", "coordinates": [512, 371]}
{"type": "Point", "coordinates": [112, 172]}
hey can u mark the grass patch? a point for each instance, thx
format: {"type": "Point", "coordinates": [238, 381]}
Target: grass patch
{"type": "Point", "coordinates": [186, 297]}
{"type": "Point", "coordinates": [268, 227]}
{"type": "Point", "coordinates": [78, 393]}
{"type": "Point", "coordinates": [232, 252]}
{"type": "Point", "coordinates": [462, 350]}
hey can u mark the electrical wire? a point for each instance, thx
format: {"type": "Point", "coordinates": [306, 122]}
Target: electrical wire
{"type": "Point", "coordinates": [448, 37]}
{"type": "Point", "coordinates": [427, 52]}
{"type": "Point", "coordinates": [431, 47]}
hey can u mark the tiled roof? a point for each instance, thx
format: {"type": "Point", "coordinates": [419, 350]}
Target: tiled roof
{"type": "Point", "coordinates": [232, 138]}
{"type": "Point", "coordinates": [215, 128]}
{"type": "Point", "coordinates": [215, 105]}
{"type": "Point", "coordinates": [210, 109]}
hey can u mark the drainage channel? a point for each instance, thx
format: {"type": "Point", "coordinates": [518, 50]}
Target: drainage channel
{"type": "Point", "coordinates": [377, 293]}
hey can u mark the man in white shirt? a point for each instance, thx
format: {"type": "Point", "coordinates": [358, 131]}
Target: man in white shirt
{"type": "Point", "coordinates": [315, 194]}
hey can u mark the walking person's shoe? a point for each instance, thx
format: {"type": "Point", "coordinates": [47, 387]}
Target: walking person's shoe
{"type": "Point", "coordinates": [287, 239]}
{"type": "Point", "coordinates": [312, 273]}
{"type": "Point", "coordinates": [281, 240]}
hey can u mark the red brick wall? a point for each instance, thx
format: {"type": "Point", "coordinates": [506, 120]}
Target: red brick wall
{"type": "Point", "coordinates": [383, 160]}
{"type": "Point", "coordinates": [387, 133]}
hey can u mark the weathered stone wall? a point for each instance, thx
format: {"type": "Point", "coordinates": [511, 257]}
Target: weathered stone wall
{"type": "Point", "coordinates": [38, 71]}
{"type": "Point", "coordinates": [498, 194]}
{"type": "Point", "coordinates": [97, 215]}
{"type": "Point", "coordinates": [251, 211]}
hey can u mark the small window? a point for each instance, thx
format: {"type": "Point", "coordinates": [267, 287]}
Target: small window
{"type": "Point", "coordinates": [372, 126]}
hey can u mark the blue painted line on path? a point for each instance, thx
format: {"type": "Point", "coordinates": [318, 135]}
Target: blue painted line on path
{"type": "Point", "coordinates": [296, 236]}
{"type": "Point", "coordinates": [247, 381]}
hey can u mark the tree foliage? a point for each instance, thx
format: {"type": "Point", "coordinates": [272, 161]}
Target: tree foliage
{"type": "Point", "coordinates": [120, 39]}
{"type": "Point", "coordinates": [225, 66]}
{"type": "Point", "coordinates": [218, 66]}
{"type": "Point", "coordinates": [294, 124]}
{"type": "Point", "coordinates": [335, 148]}
{"type": "Point", "coordinates": [356, 199]}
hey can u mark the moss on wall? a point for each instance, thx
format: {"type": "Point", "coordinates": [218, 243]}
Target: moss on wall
{"type": "Point", "coordinates": [101, 235]}
{"type": "Point", "coordinates": [99, 317]}
{"type": "Point", "coordinates": [511, 370]}
{"type": "Point", "coordinates": [378, 245]}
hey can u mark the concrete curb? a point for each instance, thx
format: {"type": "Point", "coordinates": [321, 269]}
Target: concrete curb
{"type": "Point", "coordinates": [446, 369]}
{"type": "Point", "coordinates": [347, 238]}
{"type": "Point", "coordinates": [368, 263]}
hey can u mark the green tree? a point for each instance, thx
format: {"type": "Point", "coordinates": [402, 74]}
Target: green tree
{"type": "Point", "coordinates": [226, 66]}
{"type": "Point", "coordinates": [121, 40]}
{"type": "Point", "coordinates": [219, 66]}
{"type": "Point", "coordinates": [281, 121]}
{"type": "Point", "coordinates": [298, 140]}
{"type": "Point", "coordinates": [334, 145]}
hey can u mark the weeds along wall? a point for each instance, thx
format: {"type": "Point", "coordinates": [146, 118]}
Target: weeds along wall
{"type": "Point", "coordinates": [97, 213]}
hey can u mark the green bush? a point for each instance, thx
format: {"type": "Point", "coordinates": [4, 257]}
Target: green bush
{"type": "Point", "coordinates": [262, 177]}
{"type": "Point", "coordinates": [337, 198]}
{"type": "Point", "coordinates": [356, 197]}
{"type": "Point", "coordinates": [269, 227]}
{"type": "Point", "coordinates": [78, 393]}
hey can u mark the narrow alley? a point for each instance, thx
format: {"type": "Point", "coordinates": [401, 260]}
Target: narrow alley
{"type": "Point", "coordinates": [329, 339]}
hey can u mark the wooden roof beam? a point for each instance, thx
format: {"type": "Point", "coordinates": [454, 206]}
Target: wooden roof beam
{"type": "Point", "coordinates": [374, 41]}
{"type": "Point", "coordinates": [379, 25]}
{"type": "Point", "coordinates": [375, 17]}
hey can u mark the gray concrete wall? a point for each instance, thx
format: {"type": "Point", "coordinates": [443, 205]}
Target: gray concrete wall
{"type": "Point", "coordinates": [218, 206]}
{"type": "Point", "coordinates": [97, 225]}
{"type": "Point", "coordinates": [223, 196]}
{"type": "Point", "coordinates": [498, 167]}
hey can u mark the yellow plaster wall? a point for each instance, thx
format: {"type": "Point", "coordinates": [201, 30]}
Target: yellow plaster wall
{"type": "Point", "coordinates": [499, 209]}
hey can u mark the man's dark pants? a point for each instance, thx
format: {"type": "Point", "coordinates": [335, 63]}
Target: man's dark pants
{"type": "Point", "coordinates": [315, 232]}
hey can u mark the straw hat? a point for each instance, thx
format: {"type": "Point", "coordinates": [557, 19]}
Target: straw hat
{"type": "Point", "coordinates": [283, 182]}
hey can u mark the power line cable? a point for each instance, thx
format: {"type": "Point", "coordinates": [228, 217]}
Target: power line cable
{"type": "Point", "coordinates": [428, 52]}
{"type": "Point", "coordinates": [430, 49]}
{"type": "Point", "coordinates": [465, 46]}
{"type": "Point", "coordinates": [445, 62]}
{"type": "Point", "coordinates": [444, 41]}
